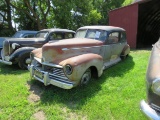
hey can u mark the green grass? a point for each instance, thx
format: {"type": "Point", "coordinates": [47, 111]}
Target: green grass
{"type": "Point", "coordinates": [114, 96]}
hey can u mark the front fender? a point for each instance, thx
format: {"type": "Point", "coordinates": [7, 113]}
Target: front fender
{"type": "Point", "coordinates": [81, 63]}
{"type": "Point", "coordinates": [17, 53]}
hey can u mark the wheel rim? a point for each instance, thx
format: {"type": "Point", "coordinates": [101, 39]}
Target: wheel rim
{"type": "Point", "coordinates": [27, 61]}
{"type": "Point", "coordinates": [86, 77]}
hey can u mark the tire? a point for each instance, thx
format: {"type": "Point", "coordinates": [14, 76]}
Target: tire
{"type": "Point", "coordinates": [22, 60]}
{"type": "Point", "coordinates": [124, 57]}
{"type": "Point", "coordinates": [86, 77]}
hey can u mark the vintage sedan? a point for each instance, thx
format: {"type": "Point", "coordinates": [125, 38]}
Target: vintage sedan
{"type": "Point", "coordinates": [151, 108]}
{"type": "Point", "coordinates": [72, 62]}
{"type": "Point", "coordinates": [18, 34]}
{"type": "Point", "coordinates": [17, 50]}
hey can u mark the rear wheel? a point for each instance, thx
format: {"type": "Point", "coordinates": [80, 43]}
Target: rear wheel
{"type": "Point", "coordinates": [124, 57]}
{"type": "Point", "coordinates": [24, 60]}
{"type": "Point", "coordinates": [86, 77]}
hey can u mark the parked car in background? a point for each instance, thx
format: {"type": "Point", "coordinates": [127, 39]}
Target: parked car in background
{"type": "Point", "coordinates": [151, 108]}
{"type": "Point", "coordinates": [25, 34]}
{"type": "Point", "coordinates": [18, 34]}
{"type": "Point", "coordinates": [72, 62]}
{"type": "Point", "coordinates": [17, 50]}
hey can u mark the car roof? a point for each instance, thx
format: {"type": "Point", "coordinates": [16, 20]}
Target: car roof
{"type": "Point", "coordinates": [58, 30]}
{"type": "Point", "coordinates": [107, 28]}
{"type": "Point", "coordinates": [27, 31]}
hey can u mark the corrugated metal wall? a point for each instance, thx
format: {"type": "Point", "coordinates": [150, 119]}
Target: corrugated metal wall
{"type": "Point", "coordinates": [127, 18]}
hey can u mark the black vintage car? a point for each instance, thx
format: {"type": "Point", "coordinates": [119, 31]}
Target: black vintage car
{"type": "Point", "coordinates": [17, 50]}
{"type": "Point", "coordinates": [151, 108]}
{"type": "Point", "coordinates": [18, 34]}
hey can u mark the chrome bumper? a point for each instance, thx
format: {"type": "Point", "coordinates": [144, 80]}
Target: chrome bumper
{"type": "Point", "coordinates": [5, 62]}
{"type": "Point", "coordinates": [148, 111]}
{"type": "Point", "coordinates": [47, 81]}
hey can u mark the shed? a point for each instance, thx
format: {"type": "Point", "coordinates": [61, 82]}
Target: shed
{"type": "Point", "coordinates": [141, 20]}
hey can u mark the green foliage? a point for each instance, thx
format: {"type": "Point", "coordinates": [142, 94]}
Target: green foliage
{"type": "Point", "coordinates": [104, 6]}
{"type": "Point", "coordinates": [94, 17]}
{"type": "Point", "coordinates": [127, 2]}
{"type": "Point", "coordinates": [113, 96]}
{"type": "Point", "coordinates": [71, 14]}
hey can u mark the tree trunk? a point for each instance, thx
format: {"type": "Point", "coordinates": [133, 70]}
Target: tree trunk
{"type": "Point", "coordinates": [9, 18]}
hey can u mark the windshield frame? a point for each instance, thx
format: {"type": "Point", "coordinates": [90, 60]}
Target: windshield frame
{"type": "Point", "coordinates": [96, 34]}
{"type": "Point", "coordinates": [46, 33]}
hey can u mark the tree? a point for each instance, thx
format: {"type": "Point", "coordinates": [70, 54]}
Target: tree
{"type": "Point", "coordinates": [104, 6]}
{"type": "Point", "coordinates": [35, 10]}
{"type": "Point", "coordinates": [73, 14]}
{"type": "Point", "coordinates": [6, 28]}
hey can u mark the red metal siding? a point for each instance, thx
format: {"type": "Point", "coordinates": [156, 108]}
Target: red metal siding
{"type": "Point", "coordinates": [127, 18]}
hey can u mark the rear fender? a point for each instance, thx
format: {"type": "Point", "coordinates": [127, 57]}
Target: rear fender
{"type": "Point", "coordinates": [125, 50]}
{"type": "Point", "coordinates": [81, 63]}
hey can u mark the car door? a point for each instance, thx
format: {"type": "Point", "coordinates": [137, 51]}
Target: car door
{"type": "Point", "coordinates": [116, 44]}
{"type": "Point", "coordinates": [54, 36]}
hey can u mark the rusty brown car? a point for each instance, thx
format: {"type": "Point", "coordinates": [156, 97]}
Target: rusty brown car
{"type": "Point", "coordinates": [151, 108]}
{"type": "Point", "coordinates": [72, 62]}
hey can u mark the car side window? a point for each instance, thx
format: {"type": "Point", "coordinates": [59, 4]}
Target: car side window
{"type": "Point", "coordinates": [123, 37]}
{"type": "Point", "coordinates": [113, 37]}
{"type": "Point", "coordinates": [29, 36]}
{"type": "Point", "coordinates": [56, 36]}
{"type": "Point", "coordinates": [68, 35]}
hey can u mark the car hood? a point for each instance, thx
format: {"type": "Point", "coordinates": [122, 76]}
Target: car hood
{"type": "Point", "coordinates": [22, 40]}
{"type": "Point", "coordinates": [57, 51]}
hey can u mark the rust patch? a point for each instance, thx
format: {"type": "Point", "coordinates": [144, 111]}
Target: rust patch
{"type": "Point", "coordinates": [70, 43]}
{"type": "Point", "coordinates": [74, 61]}
{"type": "Point", "coordinates": [37, 52]}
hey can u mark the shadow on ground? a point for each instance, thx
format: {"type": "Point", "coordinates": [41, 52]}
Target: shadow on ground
{"type": "Point", "coordinates": [76, 97]}
{"type": "Point", "coordinates": [11, 69]}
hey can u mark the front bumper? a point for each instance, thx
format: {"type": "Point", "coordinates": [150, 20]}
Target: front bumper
{"type": "Point", "coordinates": [47, 80]}
{"type": "Point", "coordinates": [5, 62]}
{"type": "Point", "coordinates": [148, 111]}
{"type": "Point", "coordinates": [2, 59]}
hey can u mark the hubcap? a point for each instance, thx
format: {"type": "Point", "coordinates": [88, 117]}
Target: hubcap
{"type": "Point", "coordinates": [86, 77]}
{"type": "Point", "coordinates": [28, 61]}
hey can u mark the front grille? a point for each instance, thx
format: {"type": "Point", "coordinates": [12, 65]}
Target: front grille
{"type": "Point", "coordinates": [155, 107]}
{"type": "Point", "coordinates": [6, 47]}
{"type": "Point", "coordinates": [54, 72]}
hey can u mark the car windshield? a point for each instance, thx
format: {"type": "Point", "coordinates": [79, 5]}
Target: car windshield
{"type": "Point", "coordinates": [17, 35]}
{"type": "Point", "coordinates": [92, 34]}
{"type": "Point", "coordinates": [42, 34]}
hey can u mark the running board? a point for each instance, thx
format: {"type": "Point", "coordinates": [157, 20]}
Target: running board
{"type": "Point", "coordinates": [110, 63]}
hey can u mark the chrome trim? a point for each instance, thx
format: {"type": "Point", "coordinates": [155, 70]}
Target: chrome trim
{"type": "Point", "coordinates": [5, 62]}
{"type": "Point", "coordinates": [155, 107]}
{"type": "Point", "coordinates": [51, 64]}
{"type": "Point", "coordinates": [38, 59]}
{"type": "Point", "coordinates": [148, 111]}
{"type": "Point", "coordinates": [49, 78]}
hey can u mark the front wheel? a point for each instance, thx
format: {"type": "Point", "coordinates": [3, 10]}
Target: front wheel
{"type": "Point", "coordinates": [86, 77]}
{"type": "Point", "coordinates": [24, 60]}
{"type": "Point", "coordinates": [124, 57]}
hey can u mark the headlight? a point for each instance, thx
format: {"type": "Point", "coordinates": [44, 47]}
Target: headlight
{"type": "Point", "coordinates": [14, 45]}
{"type": "Point", "coordinates": [156, 86]}
{"type": "Point", "coordinates": [68, 69]}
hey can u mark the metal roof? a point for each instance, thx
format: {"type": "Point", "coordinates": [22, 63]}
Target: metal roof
{"type": "Point", "coordinates": [107, 28]}
{"type": "Point", "coordinates": [58, 29]}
